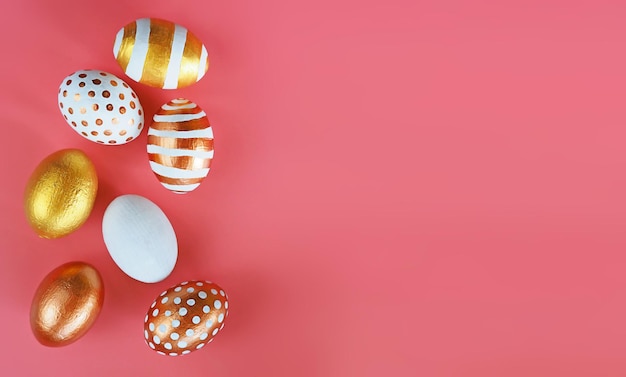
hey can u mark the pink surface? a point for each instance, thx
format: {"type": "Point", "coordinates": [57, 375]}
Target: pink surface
{"type": "Point", "coordinates": [400, 188]}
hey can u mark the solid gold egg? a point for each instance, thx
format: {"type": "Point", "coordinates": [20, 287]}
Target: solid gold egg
{"type": "Point", "coordinates": [66, 304]}
{"type": "Point", "coordinates": [60, 193]}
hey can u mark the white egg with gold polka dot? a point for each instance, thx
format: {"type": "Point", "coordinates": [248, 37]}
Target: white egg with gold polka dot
{"type": "Point", "coordinates": [101, 107]}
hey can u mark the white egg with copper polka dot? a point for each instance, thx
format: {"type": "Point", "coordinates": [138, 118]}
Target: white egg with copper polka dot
{"type": "Point", "coordinates": [101, 107]}
{"type": "Point", "coordinates": [185, 317]}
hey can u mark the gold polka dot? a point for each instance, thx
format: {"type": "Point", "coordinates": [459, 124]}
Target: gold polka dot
{"type": "Point", "coordinates": [110, 107]}
{"type": "Point", "coordinates": [139, 126]}
{"type": "Point", "coordinates": [70, 110]}
{"type": "Point", "coordinates": [94, 133]}
{"type": "Point", "coordinates": [91, 93]}
{"type": "Point", "coordinates": [99, 122]}
{"type": "Point", "coordinates": [74, 124]}
{"type": "Point", "coordinates": [122, 110]}
{"type": "Point", "coordinates": [100, 141]}
{"type": "Point", "coordinates": [115, 121]}
{"type": "Point", "coordinates": [108, 132]}
{"type": "Point", "coordinates": [102, 74]}
{"type": "Point", "coordinates": [122, 96]}
{"type": "Point", "coordinates": [139, 112]}
{"type": "Point", "coordinates": [65, 93]}
{"type": "Point", "coordinates": [84, 133]}
{"type": "Point", "coordinates": [122, 132]}
{"type": "Point", "coordinates": [132, 104]}
{"type": "Point", "coordinates": [129, 139]}
{"type": "Point", "coordinates": [112, 142]}
{"type": "Point", "coordinates": [83, 110]}
{"type": "Point", "coordinates": [131, 121]}
{"type": "Point", "coordinates": [133, 94]}
{"type": "Point", "coordinates": [65, 116]}
{"type": "Point", "coordinates": [113, 82]}
{"type": "Point", "coordinates": [68, 82]}
{"type": "Point", "coordinates": [82, 75]}
{"type": "Point", "coordinates": [84, 123]}
{"type": "Point", "coordinates": [77, 97]}
{"type": "Point", "coordinates": [125, 85]}
{"type": "Point", "coordinates": [81, 84]}
{"type": "Point", "coordinates": [96, 81]}
{"type": "Point", "coordinates": [61, 104]}
{"type": "Point", "coordinates": [106, 94]}
{"type": "Point", "coordinates": [95, 107]}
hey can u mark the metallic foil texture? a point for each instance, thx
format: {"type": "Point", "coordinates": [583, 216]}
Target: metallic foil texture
{"type": "Point", "coordinates": [60, 193]}
{"type": "Point", "coordinates": [66, 304]}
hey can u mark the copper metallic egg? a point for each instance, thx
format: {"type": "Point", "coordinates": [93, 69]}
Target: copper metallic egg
{"type": "Point", "coordinates": [66, 304]}
{"type": "Point", "coordinates": [185, 318]}
{"type": "Point", "coordinates": [60, 193]}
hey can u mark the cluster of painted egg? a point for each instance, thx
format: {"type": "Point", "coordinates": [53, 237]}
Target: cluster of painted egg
{"type": "Point", "coordinates": [101, 107]}
{"type": "Point", "coordinates": [160, 53]}
{"type": "Point", "coordinates": [140, 238]}
{"type": "Point", "coordinates": [185, 318]}
{"type": "Point", "coordinates": [66, 304]}
{"type": "Point", "coordinates": [180, 145]}
{"type": "Point", "coordinates": [60, 193]}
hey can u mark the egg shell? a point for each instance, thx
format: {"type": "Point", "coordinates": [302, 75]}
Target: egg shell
{"type": "Point", "coordinates": [101, 107]}
{"type": "Point", "coordinates": [180, 145]}
{"type": "Point", "coordinates": [185, 317]}
{"type": "Point", "coordinates": [66, 304]}
{"type": "Point", "coordinates": [160, 53]}
{"type": "Point", "coordinates": [60, 193]}
{"type": "Point", "coordinates": [140, 238]}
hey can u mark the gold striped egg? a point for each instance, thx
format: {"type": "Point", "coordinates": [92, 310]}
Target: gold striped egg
{"type": "Point", "coordinates": [180, 145]}
{"type": "Point", "coordinates": [160, 53]}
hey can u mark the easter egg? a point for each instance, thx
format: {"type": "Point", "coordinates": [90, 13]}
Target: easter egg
{"type": "Point", "coordinates": [66, 304]}
{"type": "Point", "coordinates": [185, 317]}
{"type": "Point", "coordinates": [140, 238]}
{"type": "Point", "coordinates": [100, 107]}
{"type": "Point", "coordinates": [180, 145]}
{"type": "Point", "coordinates": [160, 53]}
{"type": "Point", "coordinates": [60, 193]}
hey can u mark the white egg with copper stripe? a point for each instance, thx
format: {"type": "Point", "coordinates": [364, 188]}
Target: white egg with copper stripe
{"type": "Point", "coordinates": [160, 53]}
{"type": "Point", "coordinates": [180, 145]}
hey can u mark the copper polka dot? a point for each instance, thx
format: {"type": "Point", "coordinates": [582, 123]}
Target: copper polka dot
{"type": "Point", "coordinates": [121, 96]}
{"type": "Point", "coordinates": [112, 141]}
{"type": "Point", "coordinates": [129, 139]}
{"type": "Point", "coordinates": [122, 110]}
{"type": "Point", "coordinates": [70, 110]}
{"type": "Point", "coordinates": [115, 121]}
{"type": "Point", "coordinates": [61, 104]}
{"type": "Point", "coordinates": [65, 93]}
{"type": "Point", "coordinates": [91, 93]}
{"type": "Point", "coordinates": [139, 126]}
{"type": "Point", "coordinates": [132, 104]}
{"type": "Point", "coordinates": [65, 116]}
{"type": "Point", "coordinates": [133, 94]}
{"type": "Point", "coordinates": [74, 124]}
{"type": "Point", "coordinates": [81, 84]}
{"type": "Point", "coordinates": [108, 132]}
{"type": "Point", "coordinates": [131, 121]}
{"type": "Point", "coordinates": [113, 82]}
{"type": "Point", "coordinates": [68, 82]}
{"type": "Point", "coordinates": [94, 133]}
{"type": "Point", "coordinates": [77, 97]}
{"type": "Point", "coordinates": [102, 74]}
{"type": "Point", "coordinates": [96, 81]}
{"type": "Point", "coordinates": [100, 141]}
{"type": "Point", "coordinates": [99, 122]}
{"type": "Point", "coordinates": [83, 110]}
{"type": "Point", "coordinates": [139, 112]}
{"type": "Point", "coordinates": [106, 94]}
{"type": "Point", "coordinates": [110, 107]}
{"type": "Point", "coordinates": [122, 132]}
{"type": "Point", "coordinates": [95, 107]}
{"type": "Point", "coordinates": [82, 75]}
{"type": "Point", "coordinates": [84, 123]}
{"type": "Point", "coordinates": [125, 85]}
{"type": "Point", "coordinates": [84, 133]}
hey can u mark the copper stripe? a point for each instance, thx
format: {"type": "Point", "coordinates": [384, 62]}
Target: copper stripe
{"type": "Point", "coordinates": [196, 144]}
{"type": "Point", "coordinates": [178, 181]}
{"type": "Point", "coordinates": [196, 124]}
{"type": "Point", "coordinates": [181, 162]}
{"type": "Point", "coordinates": [195, 110]}
{"type": "Point", "coordinates": [159, 51]}
{"type": "Point", "coordinates": [190, 61]}
{"type": "Point", "coordinates": [127, 45]}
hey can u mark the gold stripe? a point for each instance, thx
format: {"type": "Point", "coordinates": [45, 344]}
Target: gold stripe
{"type": "Point", "coordinates": [181, 162]}
{"type": "Point", "coordinates": [178, 181]}
{"type": "Point", "coordinates": [127, 45]}
{"type": "Point", "coordinates": [196, 144]}
{"type": "Point", "coordinates": [159, 51]}
{"type": "Point", "coordinates": [195, 110]}
{"type": "Point", "coordinates": [196, 124]}
{"type": "Point", "coordinates": [190, 61]}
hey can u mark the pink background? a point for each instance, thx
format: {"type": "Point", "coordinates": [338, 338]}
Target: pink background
{"type": "Point", "coordinates": [400, 188]}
